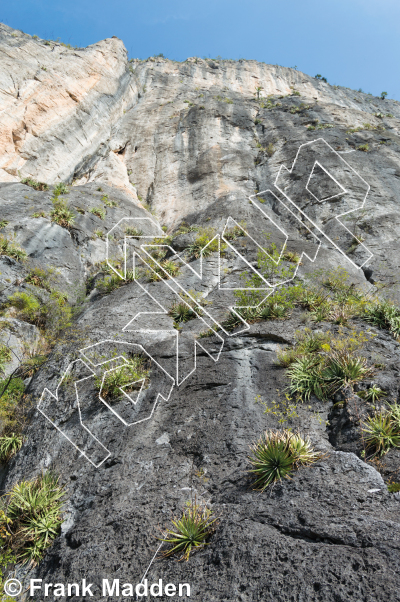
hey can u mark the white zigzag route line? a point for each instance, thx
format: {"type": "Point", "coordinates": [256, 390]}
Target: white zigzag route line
{"type": "Point", "coordinates": [172, 331]}
{"type": "Point", "coordinates": [336, 217]}
{"type": "Point", "coordinates": [143, 248]}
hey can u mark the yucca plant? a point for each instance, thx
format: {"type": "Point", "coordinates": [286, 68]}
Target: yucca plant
{"type": "Point", "coordinates": [374, 393]}
{"type": "Point", "coordinates": [190, 532]}
{"type": "Point", "coordinates": [274, 311]}
{"type": "Point", "coordinates": [385, 315]}
{"type": "Point", "coordinates": [277, 453]}
{"type": "Point", "coordinates": [34, 184]}
{"type": "Point", "coordinates": [320, 313]}
{"type": "Point", "coordinates": [394, 410]}
{"type": "Point", "coordinates": [271, 459]}
{"type": "Point", "coordinates": [5, 356]}
{"type": "Point", "coordinates": [60, 188]}
{"type": "Point", "coordinates": [169, 268]}
{"type": "Point", "coordinates": [33, 516]}
{"type": "Point", "coordinates": [346, 369]}
{"type": "Point", "coordinates": [11, 249]}
{"type": "Point", "coordinates": [10, 445]}
{"type": "Point", "coordinates": [301, 450]}
{"type": "Point", "coordinates": [291, 256]}
{"type": "Point", "coordinates": [306, 378]}
{"type": "Point", "coordinates": [380, 432]}
{"type": "Point", "coordinates": [180, 312]}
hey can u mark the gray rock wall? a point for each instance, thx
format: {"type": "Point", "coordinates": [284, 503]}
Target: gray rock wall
{"type": "Point", "coordinates": [190, 141]}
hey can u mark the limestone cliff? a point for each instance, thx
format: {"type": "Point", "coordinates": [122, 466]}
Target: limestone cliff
{"type": "Point", "coordinates": [179, 149]}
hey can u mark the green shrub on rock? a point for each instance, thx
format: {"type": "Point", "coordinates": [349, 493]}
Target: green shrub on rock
{"type": "Point", "coordinates": [31, 517]}
{"type": "Point", "coordinates": [277, 454]}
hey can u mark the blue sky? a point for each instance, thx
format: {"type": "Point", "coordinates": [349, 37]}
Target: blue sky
{"type": "Point", "coordinates": [354, 43]}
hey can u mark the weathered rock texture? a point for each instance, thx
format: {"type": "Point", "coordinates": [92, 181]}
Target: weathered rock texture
{"type": "Point", "coordinates": [190, 141]}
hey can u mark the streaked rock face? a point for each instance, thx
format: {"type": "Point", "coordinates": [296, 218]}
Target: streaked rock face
{"type": "Point", "coordinates": [167, 142]}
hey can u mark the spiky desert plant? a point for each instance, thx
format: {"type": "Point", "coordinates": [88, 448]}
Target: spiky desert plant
{"type": "Point", "coordinates": [301, 450]}
{"type": "Point", "coordinates": [34, 511]}
{"type": "Point", "coordinates": [385, 315]}
{"type": "Point", "coordinates": [10, 445]}
{"type": "Point", "coordinates": [61, 214]}
{"type": "Point", "coordinates": [181, 312]}
{"type": "Point", "coordinates": [380, 432]}
{"type": "Point", "coordinates": [346, 369]}
{"type": "Point", "coordinates": [306, 378]}
{"type": "Point", "coordinates": [271, 459]}
{"type": "Point", "coordinates": [11, 249]}
{"type": "Point", "coordinates": [394, 410]}
{"type": "Point", "coordinates": [374, 393]}
{"type": "Point", "coordinates": [169, 268]}
{"type": "Point", "coordinates": [190, 532]}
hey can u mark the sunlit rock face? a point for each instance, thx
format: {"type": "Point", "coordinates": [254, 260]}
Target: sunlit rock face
{"type": "Point", "coordinates": [201, 142]}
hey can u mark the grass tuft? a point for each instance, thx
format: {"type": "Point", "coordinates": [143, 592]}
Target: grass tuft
{"type": "Point", "coordinates": [190, 532]}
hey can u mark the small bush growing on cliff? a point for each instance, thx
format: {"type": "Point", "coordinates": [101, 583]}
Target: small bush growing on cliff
{"type": "Point", "coordinates": [11, 249]}
{"type": "Point", "coordinates": [108, 202]}
{"type": "Point", "coordinates": [11, 393]}
{"type": "Point", "coordinates": [61, 214]}
{"type": "Point", "coordinates": [321, 363]}
{"type": "Point", "coordinates": [181, 312]}
{"type": "Point", "coordinates": [276, 454]}
{"type": "Point", "coordinates": [385, 315]}
{"type": "Point", "coordinates": [135, 232]}
{"type": "Point", "coordinates": [190, 532]}
{"type": "Point", "coordinates": [10, 445]}
{"type": "Point", "coordinates": [381, 432]}
{"type": "Point", "coordinates": [162, 271]}
{"type": "Point", "coordinates": [60, 188]}
{"type": "Point", "coordinates": [41, 277]}
{"type": "Point", "coordinates": [34, 184]}
{"type": "Point", "coordinates": [30, 517]}
{"type": "Point", "coordinates": [5, 357]}
{"type": "Point", "coordinates": [324, 374]}
{"type": "Point", "coordinates": [52, 317]}
{"type": "Point", "coordinates": [124, 376]}
{"type": "Point", "coordinates": [98, 211]}
{"type": "Point", "coordinates": [205, 244]}
{"type": "Point", "coordinates": [28, 306]}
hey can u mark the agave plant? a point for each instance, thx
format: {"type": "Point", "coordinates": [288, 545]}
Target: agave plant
{"type": "Point", "coordinates": [62, 215]}
{"type": "Point", "coordinates": [306, 378]}
{"type": "Point", "coordinates": [190, 532]}
{"type": "Point", "coordinates": [302, 450]}
{"type": "Point", "coordinates": [181, 312]}
{"type": "Point", "coordinates": [384, 315]}
{"type": "Point", "coordinates": [346, 369]}
{"type": "Point", "coordinates": [10, 445]}
{"type": "Point", "coordinates": [272, 460]}
{"type": "Point", "coordinates": [34, 510]}
{"type": "Point", "coordinates": [394, 410]}
{"type": "Point", "coordinates": [380, 432]}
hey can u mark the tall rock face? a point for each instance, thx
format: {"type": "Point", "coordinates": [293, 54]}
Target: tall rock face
{"type": "Point", "coordinates": [101, 156]}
